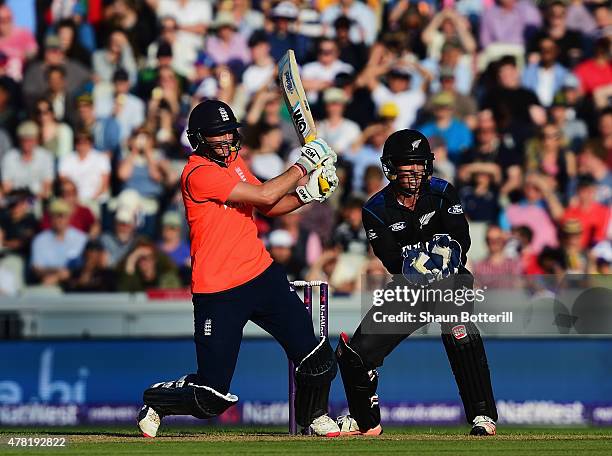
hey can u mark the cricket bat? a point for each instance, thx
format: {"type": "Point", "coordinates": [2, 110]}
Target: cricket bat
{"type": "Point", "coordinates": [297, 104]}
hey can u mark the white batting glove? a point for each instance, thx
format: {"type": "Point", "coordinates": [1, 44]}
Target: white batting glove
{"type": "Point", "coordinates": [312, 190]}
{"type": "Point", "coordinates": [314, 153]}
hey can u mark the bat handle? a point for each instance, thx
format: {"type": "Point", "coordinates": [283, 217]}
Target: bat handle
{"type": "Point", "coordinates": [323, 185]}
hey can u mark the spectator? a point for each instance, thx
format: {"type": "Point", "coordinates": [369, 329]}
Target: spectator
{"type": "Point", "coordinates": [79, 217]}
{"type": "Point", "coordinates": [573, 130]}
{"type": "Point", "coordinates": [591, 162]}
{"type": "Point", "coordinates": [306, 245]}
{"type": "Point", "coordinates": [204, 84]}
{"type": "Point", "coordinates": [445, 27]}
{"type": "Point", "coordinates": [443, 167]}
{"type": "Point", "coordinates": [29, 167]}
{"type": "Point", "coordinates": [339, 132]}
{"type": "Point", "coordinates": [592, 216]}
{"type": "Point", "coordinates": [282, 37]}
{"type": "Point", "coordinates": [547, 76]}
{"type": "Point", "coordinates": [319, 75]}
{"type": "Point", "coordinates": [369, 151]}
{"type": "Point", "coordinates": [480, 196]}
{"type": "Point", "coordinates": [265, 161]}
{"type": "Point", "coordinates": [18, 44]}
{"type": "Point", "coordinates": [54, 248]}
{"type": "Point", "coordinates": [509, 22]}
{"type": "Point", "coordinates": [595, 74]}
{"type": "Point", "coordinates": [55, 136]}
{"type": "Point", "coordinates": [182, 57]}
{"type": "Point", "coordinates": [105, 130]}
{"type": "Point", "coordinates": [374, 180]}
{"type": "Point", "coordinates": [172, 243]}
{"type": "Point", "coordinates": [227, 46]}
{"type": "Point", "coordinates": [88, 169]}
{"type": "Point", "coordinates": [246, 18]}
{"type": "Point", "coordinates": [280, 245]}
{"type": "Point", "coordinates": [18, 224]}
{"type": "Point", "coordinates": [137, 19]}
{"type": "Point", "coordinates": [572, 246]}
{"type": "Point", "coordinates": [117, 54]}
{"type": "Point", "coordinates": [35, 83]}
{"type": "Point", "coordinates": [353, 53]}
{"type": "Point", "coordinates": [192, 16]}
{"type": "Point", "coordinates": [92, 275]}
{"type": "Point", "coordinates": [67, 32]}
{"type": "Point", "coordinates": [146, 267]}
{"type": "Point", "coordinates": [61, 101]}
{"type": "Point", "coordinates": [350, 236]}
{"type": "Point", "coordinates": [123, 238]}
{"type": "Point", "coordinates": [127, 109]}
{"type": "Point", "coordinates": [455, 133]}
{"type": "Point", "coordinates": [364, 24]}
{"type": "Point", "coordinates": [497, 269]}
{"type": "Point", "coordinates": [531, 212]}
{"type": "Point", "coordinates": [262, 71]}
{"type": "Point", "coordinates": [494, 154]}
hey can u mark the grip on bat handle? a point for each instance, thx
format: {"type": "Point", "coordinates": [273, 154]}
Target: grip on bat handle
{"type": "Point", "coordinates": [323, 185]}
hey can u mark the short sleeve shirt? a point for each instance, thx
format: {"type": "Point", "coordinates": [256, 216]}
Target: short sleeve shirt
{"type": "Point", "coordinates": [225, 249]}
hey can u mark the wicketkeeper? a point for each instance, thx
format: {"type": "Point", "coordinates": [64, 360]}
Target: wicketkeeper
{"type": "Point", "coordinates": [234, 279]}
{"type": "Point", "coordinates": [417, 228]}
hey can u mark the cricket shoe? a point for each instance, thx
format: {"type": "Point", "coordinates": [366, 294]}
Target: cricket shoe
{"type": "Point", "coordinates": [348, 426]}
{"type": "Point", "coordinates": [483, 425]}
{"type": "Point", "coordinates": [148, 421]}
{"type": "Point", "coordinates": [324, 426]}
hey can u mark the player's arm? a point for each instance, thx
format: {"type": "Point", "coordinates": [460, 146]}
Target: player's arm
{"type": "Point", "coordinates": [382, 241]}
{"type": "Point", "coordinates": [454, 221]}
{"type": "Point", "coordinates": [271, 192]}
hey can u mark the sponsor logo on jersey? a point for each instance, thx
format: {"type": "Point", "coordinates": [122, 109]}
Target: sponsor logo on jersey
{"type": "Point", "coordinates": [415, 144]}
{"type": "Point", "coordinates": [240, 174]}
{"type": "Point", "coordinates": [459, 331]}
{"type": "Point", "coordinates": [455, 210]}
{"type": "Point", "coordinates": [208, 327]}
{"type": "Point", "coordinates": [224, 115]}
{"type": "Point", "coordinates": [371, 234]}
{"type": "Point", "coordinates": [399, 226]}
{"type": "Point", "coordinates": [424, 219]}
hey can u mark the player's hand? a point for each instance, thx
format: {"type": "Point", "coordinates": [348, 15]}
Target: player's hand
{"type": "Point", "coordinates": [314, 154]}
{"type": "Point", "coordinates": [419, 269]}
{"type": "Point", "coordinates": [312, 190]}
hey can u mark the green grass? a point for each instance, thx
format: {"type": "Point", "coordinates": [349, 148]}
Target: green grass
{"type": "Point", "coordinates": [177, 441]}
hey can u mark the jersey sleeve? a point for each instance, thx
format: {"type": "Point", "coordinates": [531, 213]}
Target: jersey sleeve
{"type": "Point", "coordinates": [454, 220]}
{"type": "Point", "coordinates": [383, 243]}
{"type": "Point", "coordinates": [209, 183]}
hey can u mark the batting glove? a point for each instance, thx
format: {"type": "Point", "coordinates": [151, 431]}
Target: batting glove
{"type": "Point", "coordinates": [312, 190]}
{"type": "Point", "coordinates": [314, 154]}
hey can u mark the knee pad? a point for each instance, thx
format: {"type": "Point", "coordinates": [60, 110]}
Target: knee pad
{"type": "Point", "coordinates": [360, 384]}
{"type": "Point", "coordinates": [468, 360]}
{"type": "Point", "coordinates": [184, 397]}
{"type": "Point", "coordinates": [313, 378]}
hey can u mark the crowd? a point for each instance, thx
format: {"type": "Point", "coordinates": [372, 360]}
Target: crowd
{"type": "Point", "coordinates": [514, 96]}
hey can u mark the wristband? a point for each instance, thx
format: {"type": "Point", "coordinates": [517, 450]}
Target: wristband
{"type": "Point", "coordinates": [301, 168]}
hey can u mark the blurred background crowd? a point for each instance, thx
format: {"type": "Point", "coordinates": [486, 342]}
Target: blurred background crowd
{"type": "Point", "coordinates": [515, 97]}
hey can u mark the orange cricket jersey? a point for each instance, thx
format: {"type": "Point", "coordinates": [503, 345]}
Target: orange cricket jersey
{"type": "Point", "coordinates": [225, 249]}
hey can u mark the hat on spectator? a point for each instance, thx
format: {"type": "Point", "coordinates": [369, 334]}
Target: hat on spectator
{"type": "Point", "coordinates": [571, 81]}
{"type": "Point", "coordinates": [121, 74]}
{"type": "Point", "coordinates": [571, 226]}
{"type": "Point", "coordinates": [388, 110]}
{"type": "Point", "coordinates": [59, 206]}
{"type": "Point", "coordinates": [343, 22]}
{"type": "Point", "coordinates": [447, 72]}
{"type": "Point", "coordinates": [164, 50]}
{"type": "Point", "coordinates": [27, 129]}
{"type": "Point", "coordinates": [171, 218]}
{"type": "Point", "coordinates": [335, 95]}
{"type": "Point", "coordinates": [285, 10]}
{"type": "Point", "coordinates": [443, 99]}
{"type": "Point", "coordinates": [52, 42]}
{"type": "Point", "coordinates": [343, 79]}
{"type": "Point", "coordinates": [224, 19]}
{"type": "Point", "coordinates": [125, 215]}
{"type": "Point", "coordinates": [280, 238]}
{"type": "Point", "coordinates": [203, 59]}
{"type": "Point", "coordinates": [399, 72]}
{"type": "Point", "coordinates": [85, 98]}
{"type": "Point", "coordinates": [257, 37]}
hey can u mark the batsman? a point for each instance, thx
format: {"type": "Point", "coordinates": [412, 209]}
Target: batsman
{"type": "Point", "coordinates": [234, 279]}
{"type": "Point", "coordinates": [417, 228]}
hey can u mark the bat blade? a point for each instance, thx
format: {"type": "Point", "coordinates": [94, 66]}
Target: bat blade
{"type": "Point", "coordinates": [295, 98]}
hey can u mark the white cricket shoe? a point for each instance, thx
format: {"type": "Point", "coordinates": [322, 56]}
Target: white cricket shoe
{"type": "Point", "coordinates": [324, 426]}
{"type": "Point", "coordinates": [483, 425]}
{"type": "Point", "coordinates": [348, 426]}
{"type": "Point", "coordinates": [148, 421]}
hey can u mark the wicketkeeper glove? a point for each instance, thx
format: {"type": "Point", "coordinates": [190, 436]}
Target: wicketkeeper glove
{"type": "Point", "coordinates": [419, 269]}
{"type": "Point", "coordinates": [445, 252]}
{"type": "Point", "coordinates": [314, 153]}
{"type": "Point", "coordinates": [312, 190]}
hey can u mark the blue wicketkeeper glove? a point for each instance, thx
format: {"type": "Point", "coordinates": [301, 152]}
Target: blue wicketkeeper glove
{"type": "Point", "coordinates": [445, 253]}
{"type": "Point", "coordinates": [418, 268]}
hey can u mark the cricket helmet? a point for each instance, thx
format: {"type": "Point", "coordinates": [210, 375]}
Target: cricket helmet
{"type": "Point", "coordinates": [214, 118]}
{"type": "Point", "coordinates": [407, 147]}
